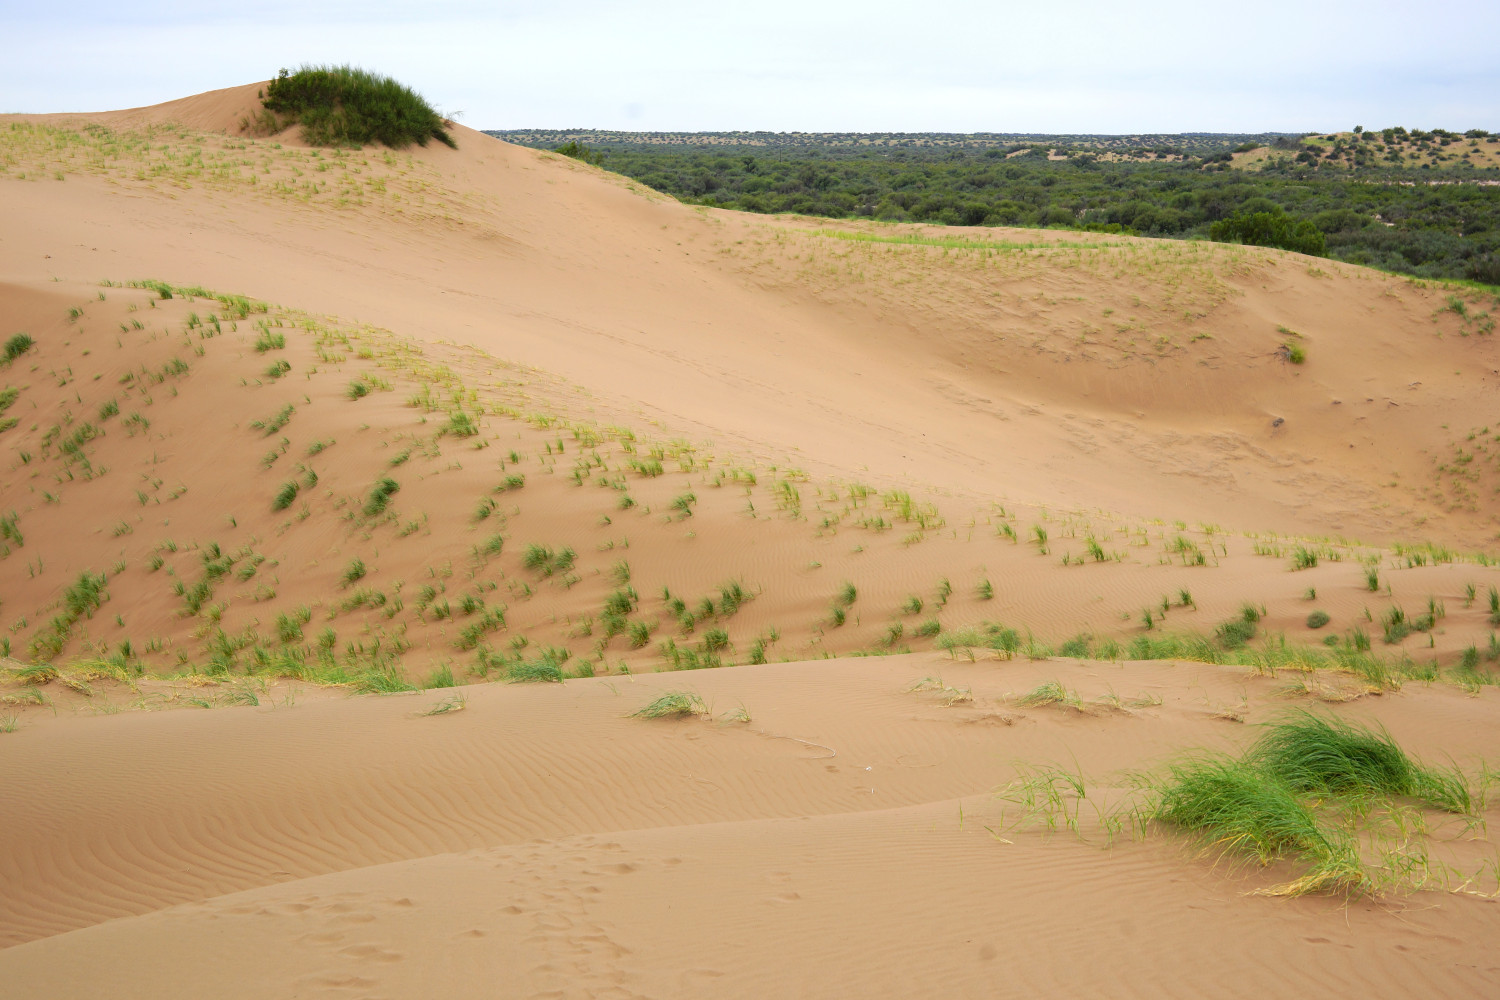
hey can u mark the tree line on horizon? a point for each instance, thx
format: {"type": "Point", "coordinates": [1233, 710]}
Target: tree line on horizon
{"type": "Point", "coordinates": [1400, 200]}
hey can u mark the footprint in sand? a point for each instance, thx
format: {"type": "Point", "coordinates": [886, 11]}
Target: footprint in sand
{"type": "Point", "coordinates": [371, 953]}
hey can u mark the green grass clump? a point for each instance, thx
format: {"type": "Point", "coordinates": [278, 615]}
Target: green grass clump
{"type": "Point", "coordinates": [639, 633]}
{"type": "Point", "coordinates": [1234, 634]}
{"type": "Point", "coordinates": [731, 596]}
{"type": "Point", "coordinates": [544, 560]}
{"type": "Point", "coordinates": [672, 705]}
{"type": "Point", "coordinates": [541, 671]}
{"type": "Point", "coordinates": [268, 341]}
{"type": "Point", "coordinates": [1318, 619]}
{"type": "Point", "coordinates": [1076, 647]}
{"type": "Point", "coordinates": [1303, 791]}
{"type": "Point", "coordinates": [927, 629]}
{"type": "Point", "coordinates": [472, 634]}
{"type": "Point", "coordinates": [275, 423]}
{"type": "Point", "coordinates": [10, 529]}
{"type": "Point", "coordinates": [354, 571]}
{"type": "Point", "coordinates": [285, 495]}
{"type": "Point", "coordinates": [1051, 693]}
{"type": "Point", "coordinates": [288, 627]}
{"type": "Point", "coordinates": [80, 600]}
{"type": "Point", "coordinates": [1314, 753]}
{"type": "Point", "coordinates": [17, 346]}
{"type": "Point", "coordinates": [382, 680]}
{"type": "Point", "coordinates": [346, 106]}
{"type": "Point", "coordinates": [1241, 809]}
{"type": "Point", "coordinates": [380, 496]}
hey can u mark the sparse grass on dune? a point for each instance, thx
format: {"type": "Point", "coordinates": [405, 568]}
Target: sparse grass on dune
{"type": "Point", "coordinates": [928, 239]}
{"type": "Point", "coordinates": [170, 157]}
{"type": "Point", "coordinates": [429, 594]}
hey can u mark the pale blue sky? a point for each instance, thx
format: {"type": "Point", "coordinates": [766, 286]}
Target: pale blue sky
{"type": "Point", "coordinates": [781, 65]}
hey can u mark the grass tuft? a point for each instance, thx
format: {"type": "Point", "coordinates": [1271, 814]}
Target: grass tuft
{"type": "Point", "coordinates": [285, 495]}
{"type": "Point", "coordinates": [1051, 693]}
{"type": "Point", "coordinates": [1238, 808]}
{"type": "Point", "coordinates": [16, 346]}
{"type": "Point", "coordinates": [1304, 791]}
{"type": "Point", "coordinates": [546, 670]}
{"type": "Point", "coordinates": [380, 495]}
{"type": "Point", "coordinates": [672, 705]}
{"type": "Point", "coordinates": [1315, 753]}
{"type": "Point", "coordinates": [454, 703]}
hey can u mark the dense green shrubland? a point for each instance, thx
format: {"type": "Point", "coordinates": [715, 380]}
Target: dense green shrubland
{"type": "Point", "coordinates": [1349, 200]}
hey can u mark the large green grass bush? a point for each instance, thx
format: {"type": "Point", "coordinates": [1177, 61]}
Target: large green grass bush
{"type": "Point", "coordinates": [346, 106]}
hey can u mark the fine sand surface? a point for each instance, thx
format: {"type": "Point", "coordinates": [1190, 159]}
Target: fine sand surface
{"type": "Point", "coordinates": [425, 419]}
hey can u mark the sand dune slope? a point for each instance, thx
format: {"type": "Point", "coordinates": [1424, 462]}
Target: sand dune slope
{"type": "Point", "coordinates": [1047, 367]}
{"type": "Point", "coordinates": [253, 488]}
{"type": "Point", "coordinates": [860, 853]}
{"type": "Point", "coordinates": [946, 536]}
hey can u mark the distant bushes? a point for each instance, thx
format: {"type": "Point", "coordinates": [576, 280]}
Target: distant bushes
{"type": "Point", "coordinates": [578, 151]}
{"type": "Point", "coordinates": [1370, 216]}
{"type": "Point", "coordinates": [345, 106]}
{"type": "Point", "coordinates": [1270, 229]}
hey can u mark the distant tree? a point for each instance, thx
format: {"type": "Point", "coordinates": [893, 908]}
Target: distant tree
{"type": "Point", "coordinates": [579, 151]}
{"type": "Point", "coordinates": [1269, 229]}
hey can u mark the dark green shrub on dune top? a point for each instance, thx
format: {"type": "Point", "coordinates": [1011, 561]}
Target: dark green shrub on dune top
{"type": "Point", "coordinates": [345, 106]}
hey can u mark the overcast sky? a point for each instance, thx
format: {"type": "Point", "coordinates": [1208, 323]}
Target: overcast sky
{"type": "Point", "coordinates": [800, 65]}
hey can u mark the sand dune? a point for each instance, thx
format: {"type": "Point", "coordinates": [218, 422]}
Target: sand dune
{"type": "Point", "coordinates": [746, 845]}
{"type": "Point", "coordinates": [302, 422]}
